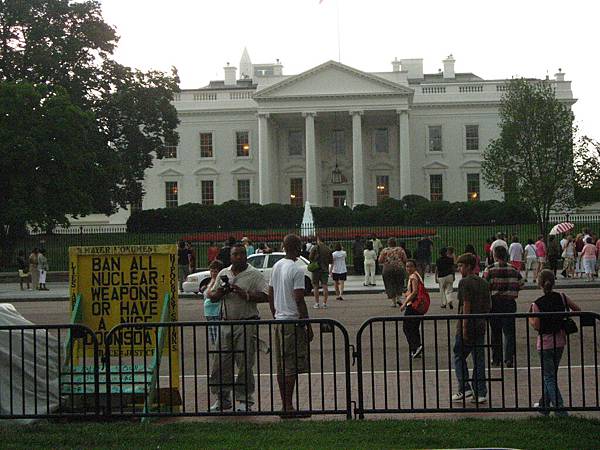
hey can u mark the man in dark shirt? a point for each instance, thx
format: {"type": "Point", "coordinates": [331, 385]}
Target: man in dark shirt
{"type": "Point", "coordinates": [424, 247]}
{"type": "Point", "coordinates": [473, 298]}
{"type": "Point", "coordinates": [183, 263]}
{"type": "Point", "coordinates": [358, 257]}
{"type": "Point", "coordinates": [224, 253]}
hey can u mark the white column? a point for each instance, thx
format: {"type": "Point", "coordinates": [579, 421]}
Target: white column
{"type": "Point", "coordinates": [313, 188]}
{"type": "Point", "coordinates": [264, 160]}
{"type": "Point", "coordinates": [405, 181]}
{"type": "Point", "coordinates": [358, 165]}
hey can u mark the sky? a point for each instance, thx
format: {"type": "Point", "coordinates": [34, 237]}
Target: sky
{"type": "Point", "coordinates": [501, 39]}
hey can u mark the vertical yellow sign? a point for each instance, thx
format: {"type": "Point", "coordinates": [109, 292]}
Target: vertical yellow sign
{"type": "Point", "coordinates": [126, 284]}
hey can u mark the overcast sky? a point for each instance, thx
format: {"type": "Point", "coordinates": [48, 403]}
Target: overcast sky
{"type": "Point", "coordinates": [528, 38]}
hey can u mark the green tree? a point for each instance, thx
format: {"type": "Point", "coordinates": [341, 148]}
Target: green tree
{"type": "Point", "coordinates": [534, 150]}
{"type": "Point", "coordinates": [60, 52]}
{"type": "Point", "coordinates": [587, 162]}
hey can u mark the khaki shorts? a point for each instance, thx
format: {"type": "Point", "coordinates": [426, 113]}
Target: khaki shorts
{"type": "Point", "coordinates": [291, 348]}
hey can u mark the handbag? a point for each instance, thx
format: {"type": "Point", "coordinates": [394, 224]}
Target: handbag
{"type": "Point", "coordinates": [313, 266]}
{"type": "Point", "coordinates": [423, 301]}
{"type": "Point", "coordinates": [569, 324]}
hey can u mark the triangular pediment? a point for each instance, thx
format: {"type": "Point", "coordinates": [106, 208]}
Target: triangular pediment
{"type": "Point", "coordinates": [332, 79]}
{"type": "Point", "coordinates": [242, 171]}
{"type": "Point", "coordinates": [435, 165]}
{"type": "Point", "coordinates": [170, 173]}
{"type": "Point", "coordinates": [206, 171]}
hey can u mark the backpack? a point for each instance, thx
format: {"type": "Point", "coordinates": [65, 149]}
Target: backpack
{"type": "Point", "coordinates": [423, 301]}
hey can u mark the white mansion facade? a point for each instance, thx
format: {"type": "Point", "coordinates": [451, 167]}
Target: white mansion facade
{"type": "Point", "coordinates": [333, 135]}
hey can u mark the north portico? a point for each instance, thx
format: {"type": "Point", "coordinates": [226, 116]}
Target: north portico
{"type": "Point", "coordinates": [336, 108]}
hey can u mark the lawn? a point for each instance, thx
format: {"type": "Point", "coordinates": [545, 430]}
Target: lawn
{"type": "Point", "coordinates": [542, 433]}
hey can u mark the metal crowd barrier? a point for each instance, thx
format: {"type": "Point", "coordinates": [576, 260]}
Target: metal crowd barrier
{"type": "Point", "coordinates": [206, 373]}
{"type": "Point", "coordinates": [391, 381]}
{"type": "Point", "coordinates": [42, 377]}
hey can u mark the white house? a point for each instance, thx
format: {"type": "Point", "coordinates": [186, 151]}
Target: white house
{"type": "Point", "coordinates": [333, 135]}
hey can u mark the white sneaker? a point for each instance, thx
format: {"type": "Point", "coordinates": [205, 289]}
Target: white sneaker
{"type": "Point", "coordinates": [243, 406]}
{"type": "Point", "coordinates": [478, 399]}
{"type": "Point", "coordinates": [461, 395]}
{"type": "Point", "coordinates": [220, 405]}
{"type": "Point", "coordinates": [316, 306]}
{"type": "Point", "coordinates": [324, 306]}
{"type": "Point", "coordinates": [417, 352]}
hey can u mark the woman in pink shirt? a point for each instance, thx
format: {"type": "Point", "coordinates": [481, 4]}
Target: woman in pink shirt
{"type": "Point", "coordinates": [588, 258]}
{"type": "Point", "coordinates": [540, 252]}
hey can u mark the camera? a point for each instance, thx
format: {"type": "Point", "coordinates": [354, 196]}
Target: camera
{"type": "Point", "coordinates": [225, 283]}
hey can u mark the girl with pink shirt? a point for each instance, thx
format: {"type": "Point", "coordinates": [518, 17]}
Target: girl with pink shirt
{"type": "Point", "coordinates": [588, 258]}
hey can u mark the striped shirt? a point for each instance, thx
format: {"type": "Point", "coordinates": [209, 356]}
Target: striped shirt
{"type": "Point", "coordinates": [504, 280]}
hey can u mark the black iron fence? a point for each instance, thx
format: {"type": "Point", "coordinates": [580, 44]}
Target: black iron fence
{"type": "Point", "coordinates": [256, 367]}
{"type": "Point", "coordinates": [391, 380]}
{"type": "Point", "coordinates": [457, 236]}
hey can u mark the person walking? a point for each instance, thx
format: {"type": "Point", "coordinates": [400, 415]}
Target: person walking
{"type": "Point", "coordinates": [504, 282]}
{"type": "Point", "coordinates": [225, 251]}
{"type": "Point", "coordinates": [212, 308]}
{"type": "Point", "coordinates": [588, 259]}
{"type": "Point", "coordinates": [23, 268]}
{"type": "Point", "coordinates": [183, 263]}
{"type": "Point", "coordinates": [321, 254]}
{"type": "Point", "coordinates": [393, 260]}
{"type": "Point", "coordinates": [412, 326]}
{"type": "Point", "coordinates": [579, 244]}
{"type": "Point", "coordinates": [239, 287]}
{"type": "Point", "coordinates": [33, 268]}
{"type": "Point", "coordinates": [192, 257]}
{"type": "Point", "coordinates": [338, 270]}
{"type": "Point", "coordinates": [423, 256]}
{"type": "Point", "coordinates": [554, 252]}
{"type": "Point", "coordinates": [444, 276]}
{"type": "Point", "coordinates": [43, 270]}
{"type": "Point", "coordinates": [515, 253]}
{"type": "Point", "coordinates": [541, 252]}
{"type": "Point", "coordinates": [568, 255]}
{"type": "Point", "coordinates": [531, 260]}
{"type": "Point", "coordinates": [292, 340]}
{"type": "Point", "coordinates": [473, 298]}
{"type": "Point", "coordinates": [370, 258]}
{"type": "Point", "coordinates": [358, 247]}
{"type": "Point", "coordinates": [551, 339]}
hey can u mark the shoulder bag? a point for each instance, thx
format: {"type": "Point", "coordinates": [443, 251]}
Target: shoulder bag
{"type": "Point", "coordinates": [569, 324]}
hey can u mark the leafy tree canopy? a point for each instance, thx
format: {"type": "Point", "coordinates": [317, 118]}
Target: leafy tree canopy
{"type": "Point", "coordinates": [533, 157]}
{"type": "Point", "coordinates": [80, 128]}
{"type": "Point", "coordinates": [587, 164]}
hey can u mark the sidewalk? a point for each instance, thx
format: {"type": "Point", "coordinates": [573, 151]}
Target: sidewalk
{"type": "Point", "coordinates": [10, 292]}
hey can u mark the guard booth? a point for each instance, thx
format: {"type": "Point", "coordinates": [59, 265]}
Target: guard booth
{"type": "Point", "coordinates": [110, 286]}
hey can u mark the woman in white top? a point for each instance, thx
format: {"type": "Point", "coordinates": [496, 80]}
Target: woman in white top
{"type": "Point", "coordinates": [530, 259]}
{"type": "Point", "coordinates": [338, 270]}
{"type": "Point", "coordinates": [370, 257]}
{"type": "Point", "coordinates": [568, 255]}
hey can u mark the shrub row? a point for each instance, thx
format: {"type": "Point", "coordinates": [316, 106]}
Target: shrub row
{"type": "Point", "coordinates": [410, 211]}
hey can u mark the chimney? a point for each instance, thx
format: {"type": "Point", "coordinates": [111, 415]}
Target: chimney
{"type": "Point", "coordinates": [277, 68]}
{"type": "Point", "coordinates": [560, 76]}
{"type": "Point", "coordinates": [396, 65]}
{"type": "Point", "coordinates": [230, 75]}
{"type": "Point", "coordinates": [449, 67]}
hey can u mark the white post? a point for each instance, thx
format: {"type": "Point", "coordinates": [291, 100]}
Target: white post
{"type": "Point", "coordinates": [358, 166]}
{"type": "Point", "coordinates": [313, 188]}
{"type": "Point", "coordinates": [264, 160]}
{"type": "Point", "coordinates": [405, 182]}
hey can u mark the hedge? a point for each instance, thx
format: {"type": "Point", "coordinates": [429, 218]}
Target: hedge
{"type": "Point", "coordinates": [410, 211]}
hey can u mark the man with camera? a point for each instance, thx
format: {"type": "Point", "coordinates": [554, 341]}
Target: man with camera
{"type": "Point", "coordinates": [239, 287]}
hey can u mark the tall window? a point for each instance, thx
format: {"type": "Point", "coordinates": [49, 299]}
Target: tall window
{"type": "Point", "coordinates": [295, 142]}
{"type": "Point", "coordinates": [473, 194]}
{"type": "Point", "coordinates": [242, 143]}
{"type": "Point", "coordinates": [243, 188]}
{"type": "Point", "coordinates": [206, 145]}
{"type": "Point", "coordinates": [171, 194]}
{"type": "Point", "coordinates": [296, 194]}
{"type": "Point", "coordinates": [472, 137]}
{"type": "Point", "coordinates": [383, 187]}
{"type": "Point", "coordinates": [435, 138]}
{"type": "Point", "coordinates": [339, 199]}
{"type": "Point", "coordinates": [381, 140]}
{"type": "Point", "coordinates": [338, 142]}
{"type": "Point", "coordinates": [207, 191]}
{"type": "Point", "coordinates": [436, 188]}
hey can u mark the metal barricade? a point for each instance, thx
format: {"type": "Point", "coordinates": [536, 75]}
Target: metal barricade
{"type": "Point", "coordinates": [230, 368]}
{"type": "Point", "coordinates": [390, 380]}
{"type": "Point", "coordinates": [48, 371]}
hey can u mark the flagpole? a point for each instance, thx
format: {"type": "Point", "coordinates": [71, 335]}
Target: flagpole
{"type": "Point", "coordinates": [338, 30]}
